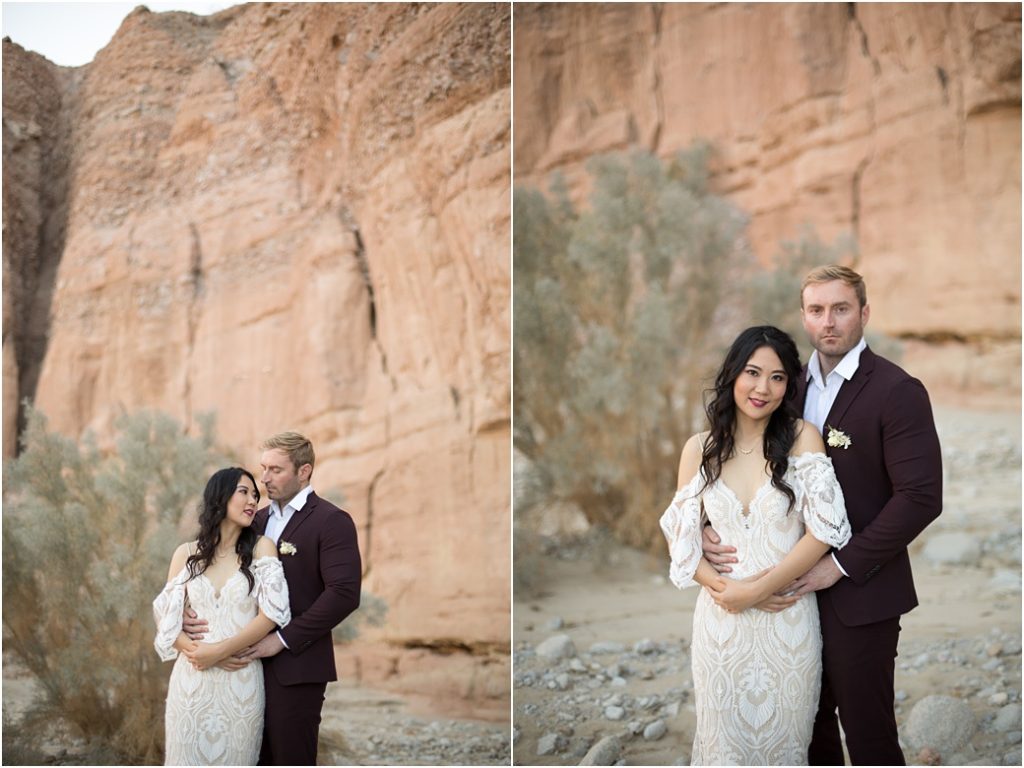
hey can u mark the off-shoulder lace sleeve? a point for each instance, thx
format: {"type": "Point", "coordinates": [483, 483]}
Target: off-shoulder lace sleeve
{"type": "Point", "coordinates": [272, 590]}
{"type": "Point", "coordinates": [167, 610]}
{"type": "Point", "coordinates": [681, 524]}
{"type": "Point", "coordinates": [820, 499]}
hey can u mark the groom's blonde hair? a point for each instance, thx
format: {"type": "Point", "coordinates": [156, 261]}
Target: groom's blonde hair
{"type": "Point", "coordinates": [832, 272]}
{"type": "Point", "coordinates": [298, 448]}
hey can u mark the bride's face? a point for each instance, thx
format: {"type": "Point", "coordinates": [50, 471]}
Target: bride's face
{"type": "Point", "coordinates": [761, 386]}
{"type": "Point", "coordinates": [242, 504]}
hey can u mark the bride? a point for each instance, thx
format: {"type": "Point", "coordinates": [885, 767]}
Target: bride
{"type": "Point", "coordinates": [761, 474]}
{"type": "Point", "coordinates": [231, 575]}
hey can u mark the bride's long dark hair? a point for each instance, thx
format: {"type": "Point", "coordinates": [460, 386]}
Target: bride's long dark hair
{"type": "Point", "coordinates": [212, 510]}
{"type": "Point", "coordinates": [780, 433]}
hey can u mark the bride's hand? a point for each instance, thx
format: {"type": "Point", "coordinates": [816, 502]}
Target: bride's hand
{"type": "Point", "coordinates": [739, 595]}
{"type": "Point", "coordinates": [205, 655]}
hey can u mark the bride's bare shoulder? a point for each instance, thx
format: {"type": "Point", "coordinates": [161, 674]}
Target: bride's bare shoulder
{"type": "Point", "coordinates": [808, 439]}
{"type": "Point", "coordinates": [179, 558]}
{"type": "Point", "coordinates": [689, 460]}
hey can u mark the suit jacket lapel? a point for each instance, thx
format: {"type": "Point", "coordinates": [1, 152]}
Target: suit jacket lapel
{"type": "Point", "coordinates": [298, 518]}
{"type": "Point", "coordinates": [260, 521]}
{"type": "Point", "coordinates": [801, 391]}
{"type": "Point", "coordinates": [850, 389]}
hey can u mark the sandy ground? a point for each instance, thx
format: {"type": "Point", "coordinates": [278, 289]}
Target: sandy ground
{"type": "Point", "coordinates": [963, 640]}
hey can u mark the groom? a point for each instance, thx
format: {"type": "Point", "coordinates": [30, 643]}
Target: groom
{"type": "Point", "coordinates": [320, 555]}
{"type": "Point", "coordinates": [878, 426]}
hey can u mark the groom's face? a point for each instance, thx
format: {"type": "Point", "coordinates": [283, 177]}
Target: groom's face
{"type": "Point", "coordinates": [833, 318]}
{"type": "Point", "coordinates": [281, 477]}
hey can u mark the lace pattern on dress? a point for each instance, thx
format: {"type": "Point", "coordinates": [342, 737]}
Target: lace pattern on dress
{"type": "Point", "coordinates": [272, 590]}
{"type": "Point", "coordinates": [820, 499]}
{"type": "Point", "coordinates": [167, 610]}
{"type": "Point", "coordinates": [681, 524]}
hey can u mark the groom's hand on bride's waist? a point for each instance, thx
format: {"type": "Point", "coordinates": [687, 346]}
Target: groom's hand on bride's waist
{"type": "Point", "coordinates": [193, 626]}
{"type": "Point", "coordinates": [270, 645]}
{"type": "Point", "coordinates": [715, 552]}
{"type": "Point", "coordinates": [233, 663]}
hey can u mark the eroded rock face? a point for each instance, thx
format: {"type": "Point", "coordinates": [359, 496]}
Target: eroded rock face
{"type": "Point", "coordinates": [297, 216]}
{"type": "Point", "coordinates": [896, 123]}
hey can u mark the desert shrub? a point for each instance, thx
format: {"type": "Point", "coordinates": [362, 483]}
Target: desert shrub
{"type": "Point", "coordinates": [87, 538]}
{"type": "Point", "coordinates": [621, 312]}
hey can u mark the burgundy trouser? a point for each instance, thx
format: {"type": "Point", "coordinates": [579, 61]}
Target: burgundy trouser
{"type": "Point", "coordinates": [858, 665]}
{"type": "Point", "coordinates": [291, 724]}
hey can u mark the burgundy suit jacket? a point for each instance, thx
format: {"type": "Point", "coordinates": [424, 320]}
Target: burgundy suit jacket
{"type": "Point", "coordinates": [891, 476]}
{"type": "Point", "coordinates": [324, 578]}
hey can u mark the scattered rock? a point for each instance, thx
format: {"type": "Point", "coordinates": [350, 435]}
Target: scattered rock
{"type": "Point", "coordinates": [1007, 719]}
{"type": "Point", "coordinates": [1006, 581]}
{"type": "Point", "coordinates": [1011, 646]}
{"type": "Point", "coordinates": [614, 713]}
{"type": "Point", "coordinates": [557, 647]}
{"type": "Point", "coordinates": [604, 647]}
{"type": "Point", "coordinates": [605, 752]}
{"type": "Point", "coordinates": [953, 549]}
{"type": "Point", "coordinates": [550, 743]}
{"type": "Point", "coordinates": [940, 722]}
{"type": "Point", "coordinates": [655, 730]}
{"type": "Point", "coordinates": [645, 646]}
{"type": "Point", "coordinates": [554, 624]}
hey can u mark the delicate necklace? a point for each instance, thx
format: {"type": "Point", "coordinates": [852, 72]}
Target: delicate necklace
{"type": "Point", "coordinates": [749, 450]}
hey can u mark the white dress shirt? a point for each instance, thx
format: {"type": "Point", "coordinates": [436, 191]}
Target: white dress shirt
{"type": "Point", "coordinates": [278, 518]}
{"type": "Point", "coordinates": [822, 392]}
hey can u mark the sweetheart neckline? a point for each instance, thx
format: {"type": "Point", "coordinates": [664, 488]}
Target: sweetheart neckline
{"type": "Point", "coordinates": [745, 509]}
{"type": "Point", "coordinates": [217, 592]}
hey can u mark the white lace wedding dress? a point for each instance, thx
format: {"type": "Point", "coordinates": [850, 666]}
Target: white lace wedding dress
{"type": "Point", "coordinates": [215, 717]}
{"type": "Point", "coordinates": [756, 675]}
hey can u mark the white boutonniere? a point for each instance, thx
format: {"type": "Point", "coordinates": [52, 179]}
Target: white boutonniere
{"type": "Point", "coordinates": [837, 439]}
{"type": "Point", "coordinates": [287, 548]}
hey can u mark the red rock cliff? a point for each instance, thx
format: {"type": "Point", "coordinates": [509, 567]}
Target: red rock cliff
{"type": "Point", "coordinates": [896, 123]}
{"type": "Point", "coordinates": [295, 216]}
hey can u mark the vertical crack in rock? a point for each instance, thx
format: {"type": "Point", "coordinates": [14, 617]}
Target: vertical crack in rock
{"type": "Point", "coordinates": [944, 82]}
{"type": "Point", "coordinates": [367, 546]}
{"type": "Point", "coordinates": [855, 207]}
{"type": "Point", "coordinates": [851, 9]}
{"type": "Point", "coordinates": [364, 270]}
{"type": "Point", "coordinates": [34, 307]}
{"type": "Point", "coordinates": [659, 96]}
{"type": "Point", "coordinates": [195, 282]}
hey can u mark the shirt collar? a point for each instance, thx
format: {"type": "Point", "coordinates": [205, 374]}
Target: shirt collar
{"type": "Point", "coordinates": [298, 502]}
{"type": "Point", "coordinates": [846, 368]}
